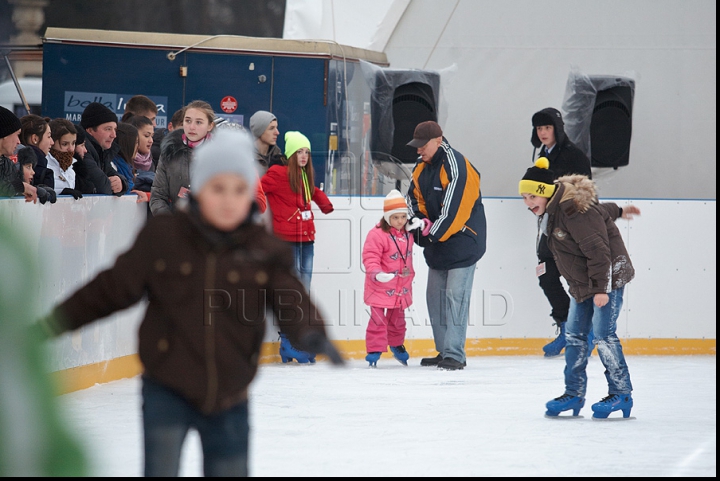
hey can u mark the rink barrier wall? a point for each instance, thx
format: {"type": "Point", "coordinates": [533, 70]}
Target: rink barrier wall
{"type": "Point", "coordinates": [669, 307]}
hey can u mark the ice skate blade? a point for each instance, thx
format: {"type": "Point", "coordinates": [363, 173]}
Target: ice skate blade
{"type": "Point", "coordinates": [614, 419]}
{"type": "Point", "coordinates": [567, 417]}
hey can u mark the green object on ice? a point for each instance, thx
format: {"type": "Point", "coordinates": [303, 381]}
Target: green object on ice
{"type": "Point", "coordinates": [33, 438]}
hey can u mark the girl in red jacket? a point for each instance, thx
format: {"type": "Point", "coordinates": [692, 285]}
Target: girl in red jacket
{"type": "Point", "coordinates": [289, 190]}
{"type": "Point", "coordinates": [387, 258]}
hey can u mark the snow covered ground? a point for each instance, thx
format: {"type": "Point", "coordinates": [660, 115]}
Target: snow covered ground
{"type": "Point", "coordinates": [486, 420]}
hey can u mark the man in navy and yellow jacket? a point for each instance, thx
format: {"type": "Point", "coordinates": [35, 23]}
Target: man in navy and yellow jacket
{"type": "Point", "coordinates": [445, 195]}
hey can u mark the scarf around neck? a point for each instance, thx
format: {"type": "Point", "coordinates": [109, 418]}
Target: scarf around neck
{"type": "Point", "coordinates": [65, 159]}
{"type": "Point", "coordinates": [143, 162]}
{"type": "Point", "coordinates": [194, 143]}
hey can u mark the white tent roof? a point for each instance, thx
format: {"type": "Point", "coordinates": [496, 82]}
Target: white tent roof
{"type": "Point", "coordinates": [367, 24]}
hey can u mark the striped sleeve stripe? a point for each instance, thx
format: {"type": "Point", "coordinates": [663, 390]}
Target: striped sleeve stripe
{"type": "Point", "coordinates": [452, 162]}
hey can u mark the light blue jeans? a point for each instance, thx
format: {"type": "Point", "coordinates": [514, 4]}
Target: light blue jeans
{"type": "Point", "coordinates": [304, 254]}
{"type": "Point", "coordinates": [448, 301]}
{"type": "Point", "coordinates": [584, 316]}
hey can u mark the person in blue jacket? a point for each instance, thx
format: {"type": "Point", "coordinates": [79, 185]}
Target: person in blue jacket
{"type": "Point", "coordinates": [445, 195]}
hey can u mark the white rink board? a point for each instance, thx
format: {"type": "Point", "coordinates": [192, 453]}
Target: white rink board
{"type": "Point", "coordinates": [672, 245]}
{"type": "Point", "coordinates": [74, 240]}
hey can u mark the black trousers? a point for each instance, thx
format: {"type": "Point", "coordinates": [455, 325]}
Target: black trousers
{"type": "Point", "coordinates": [551, 284]}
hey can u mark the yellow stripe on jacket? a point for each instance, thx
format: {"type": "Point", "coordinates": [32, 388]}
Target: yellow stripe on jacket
{"type": "Point", "coordinates": [470, 194]}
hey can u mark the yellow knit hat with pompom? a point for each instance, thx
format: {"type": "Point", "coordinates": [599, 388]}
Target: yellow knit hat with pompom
{"type": "Point", "coordinates": [539, 180]}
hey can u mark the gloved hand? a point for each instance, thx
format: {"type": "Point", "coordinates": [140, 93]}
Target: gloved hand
{"type": "Point", "coordinates": [384, 276]}
{"type": "Point", "coordinates": [415, 223]}
{"type": "Point", "coordinates": [428, 224]}
{"type": "Point", "coordinates": [75, 193]}
{"type": "Point", "coordinates": [45, 194]}
{"type": "Point", "coordinates": [319, 344]}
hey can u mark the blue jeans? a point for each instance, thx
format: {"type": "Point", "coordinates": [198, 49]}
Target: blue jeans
{"type": "Point", "coordinates": [167, 418]}
{"type": "Point", "coordinates": [448, 301]}
{"type": "Point", "coordinates": [304, 253]}
{"type": "Point", "coordinates": [584, 316]}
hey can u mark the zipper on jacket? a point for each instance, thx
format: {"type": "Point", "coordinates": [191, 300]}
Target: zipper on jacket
{"type": "Point", "coordinates": [293, 214]}
{"type": "Point", "coordinates": [212, 386]}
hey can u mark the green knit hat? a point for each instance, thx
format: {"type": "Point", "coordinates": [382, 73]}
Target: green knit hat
{"type": "Point", "coordinates": [295, 141]}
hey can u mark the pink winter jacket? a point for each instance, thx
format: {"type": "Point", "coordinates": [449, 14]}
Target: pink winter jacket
{"type": "Point", "coordinates": [380, 254]}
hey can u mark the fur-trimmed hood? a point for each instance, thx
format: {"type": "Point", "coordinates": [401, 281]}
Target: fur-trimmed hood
{"type": "Point", "coordinates": [172, 145]}
{"type": "Point", "coordinates": [576, 188]}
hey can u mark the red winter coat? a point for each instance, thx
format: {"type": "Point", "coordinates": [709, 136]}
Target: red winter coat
{"type": "Point", "coordinates": [380, 254]}
{"type": "Point", "coordinates": [287, 206]}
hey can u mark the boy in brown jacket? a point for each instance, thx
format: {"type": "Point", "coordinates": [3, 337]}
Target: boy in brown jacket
{"type": "Point", "coordinates": [592, 257]}
{"type": "Point", "coordinates": [209, 274]}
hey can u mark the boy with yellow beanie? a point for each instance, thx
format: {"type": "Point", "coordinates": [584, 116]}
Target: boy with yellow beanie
{"type": "Point", "coordinates": [591, 256]}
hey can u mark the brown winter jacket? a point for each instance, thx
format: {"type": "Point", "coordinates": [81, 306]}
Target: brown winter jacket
{"type": "Point", "coordinates": [207, 293]}
{"type": "Point", "coordinates": [584, 239]}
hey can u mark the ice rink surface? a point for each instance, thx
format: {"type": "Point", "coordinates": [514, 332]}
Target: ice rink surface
{"type": "Point", "coordinates": [486, 420]}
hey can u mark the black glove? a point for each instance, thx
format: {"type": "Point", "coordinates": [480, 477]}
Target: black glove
{"type": "Point", "coordinates": [45, 194]}
{"type": "Point", "coordinates": [75, 193]}
{"type": "Point", "coordinates": [319, 344]}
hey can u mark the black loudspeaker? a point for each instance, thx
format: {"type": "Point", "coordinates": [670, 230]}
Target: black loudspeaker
{"type": "Point", "coordinates": [598, 117]}
{"type": "Point", "coordinates": [401, 100]}
{"type": "Point", "coordinates": [611, 127]}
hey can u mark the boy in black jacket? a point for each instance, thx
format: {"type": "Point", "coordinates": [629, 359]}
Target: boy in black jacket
{"type": "Point", "coordinates": [565, 158]}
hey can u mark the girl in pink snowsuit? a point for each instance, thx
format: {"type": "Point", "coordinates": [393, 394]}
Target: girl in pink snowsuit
{"type": "Point", "coordinates": [387, 258]}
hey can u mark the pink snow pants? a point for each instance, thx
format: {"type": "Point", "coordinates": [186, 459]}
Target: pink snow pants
{"type": "Point", "coordinates": [386, 327]}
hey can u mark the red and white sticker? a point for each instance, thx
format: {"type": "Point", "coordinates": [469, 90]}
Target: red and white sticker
{"type": "Point", "coordinates": [228, 104]}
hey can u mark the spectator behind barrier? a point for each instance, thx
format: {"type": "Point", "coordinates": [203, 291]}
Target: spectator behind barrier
{"type": "Point", "coordinates": [35, 134]}
{"type": "Point", "coordinates": [10, 183]}
{"type": "Point", "coordinates": [26, 170]}
{"type": "Point", "coordinates": [127, 140]}
{"type": "Point", "coordinates": [100, 124]}
{"type": "Point", "coordinates": [86, 170]}
{"type": "Point", "coordinates": [61, 158]}
{"type": "Point", "coordinates": [172, 179]}
{"type": "Point", "coordinates": [143, 158]}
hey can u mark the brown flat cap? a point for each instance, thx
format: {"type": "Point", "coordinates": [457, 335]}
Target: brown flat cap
{"type": "Point", "coordinates": [424, 132]}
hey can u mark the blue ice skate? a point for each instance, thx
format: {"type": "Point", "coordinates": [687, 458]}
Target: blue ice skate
{"type": "Point", "coordinates": [555, 347]}
{"type": "Point", "coordinates": [565, 402]}
{"type": "Point", "coordinates": [372, 358]}
{"type": "Point", "coordinates": [400, 354]}
{"type": "Point", "coordinates": [288, 352]}
{"type": "Point", "coordinates": [612, 403]}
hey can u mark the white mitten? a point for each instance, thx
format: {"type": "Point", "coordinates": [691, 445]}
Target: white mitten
{"type": "Point", "coordinates": [384, 276]}
{"type": "Point", "coordinates": [415, 223]}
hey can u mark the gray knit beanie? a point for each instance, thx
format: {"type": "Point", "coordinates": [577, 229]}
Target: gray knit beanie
{"type": "Point", "coordinates": [229, 151]}
{"type": "Point", "coordinates": [259, 122]}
